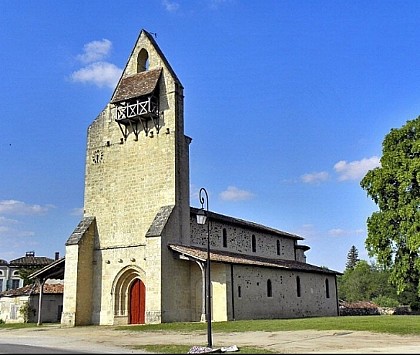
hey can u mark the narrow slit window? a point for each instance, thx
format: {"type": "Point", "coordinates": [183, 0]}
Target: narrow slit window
{"type": "Point", "coordinates": [278, 247]}
{"type": "Point", "coordinates": [254, 243]}
{"type": "Point", "coordinates": [298, 293]}
{"type": "Point", "coordinates": [269, 289]}
{"type": "Point", "coordinates": [239, 292]}
{"type": "Point", "coordinates": [327, 288]}
{"type": "Point", "coordinates": [224, 238]}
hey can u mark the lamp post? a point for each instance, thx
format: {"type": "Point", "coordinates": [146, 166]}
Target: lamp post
{"type": "Point", "coordinates": [201, 219]}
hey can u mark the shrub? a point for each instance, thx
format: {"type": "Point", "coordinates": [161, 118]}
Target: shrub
{"type": "Point", "coordinates": [385, 301]}
{"type": "Point", "coordinates": [25, 311]}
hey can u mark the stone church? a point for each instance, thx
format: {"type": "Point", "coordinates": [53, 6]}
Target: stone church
{"type": "Point", "coordinates": [139, 256]}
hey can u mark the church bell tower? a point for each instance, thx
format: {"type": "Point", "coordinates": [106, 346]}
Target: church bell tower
{"type": "Point", "coordinates": [136, 198]}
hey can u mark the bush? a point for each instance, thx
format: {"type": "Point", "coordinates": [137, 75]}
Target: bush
{"type": "Point", "coordinates": [26, 311]}
{"type": "Point", "coordinates": [385, 301]}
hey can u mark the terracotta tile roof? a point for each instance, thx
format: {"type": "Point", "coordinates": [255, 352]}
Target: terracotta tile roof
{"type": "Point", "coordinates": [234, 258]}
{"type": "Point", "coordinates": [136, 85]}
{"type": "Point", "coordinates": [34, 289]}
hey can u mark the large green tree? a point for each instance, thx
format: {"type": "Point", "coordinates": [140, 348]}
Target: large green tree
{"type": "Point", "coordinates": [365, 282]}
{"type": "Point", "coordinates": [394, 230]}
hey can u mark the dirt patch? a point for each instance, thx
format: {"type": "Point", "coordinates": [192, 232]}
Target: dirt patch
{"type": "Point", "coordinates": [104, 339]}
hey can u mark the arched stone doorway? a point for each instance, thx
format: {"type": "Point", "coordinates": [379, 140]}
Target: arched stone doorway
{"type": "Point", "coordinates": [129, 296]}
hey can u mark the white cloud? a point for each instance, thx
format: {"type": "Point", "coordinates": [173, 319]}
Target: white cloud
{"type": "Point", "coordinates": [356, 169]}
{"type": "Point", "coordinates": [338, 232]}
{"type": "Point", "coordinates": [314, 178]}
{"type": "Point", "coordinates": [21, 208]}
{"type": "Point", "coordinates": [8, 230]}
{"type": "Point", "coordinates": [232, 193]}
{"type": "Point", "coordinates": [4, 220]}
{"type": "Point", "coordinates": [95, 51]}
{"type": "Point", "coordinates": [14, 233]}
{"type": "Point", "coordinates": [170, 6]}
{"type": "Point", "coordinates": [99, 73]}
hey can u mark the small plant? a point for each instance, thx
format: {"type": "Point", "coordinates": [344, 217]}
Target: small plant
{"type": "Point", "coordinates": [2, 321]}
{"type": "Point", "coordinates": [26, 311]}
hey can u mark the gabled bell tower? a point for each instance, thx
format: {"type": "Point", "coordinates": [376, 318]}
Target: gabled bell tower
{"type": "Point", "coordinates": [137, 165]}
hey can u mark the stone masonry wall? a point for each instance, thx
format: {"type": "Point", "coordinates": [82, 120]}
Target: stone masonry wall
{"type": "Point", "coordinates": [239, 240]}
{"type": "Point", "coordinates": [127, 182]}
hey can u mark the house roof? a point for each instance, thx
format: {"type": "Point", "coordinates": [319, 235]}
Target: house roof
{"type": "Point", "coordinates": [136, 85]}
{"type": "Point", "coordinates": [34, 289]}
{"type": "Point", "coordinates": [31, 261]}
{"type": "Point", "coordinates": [55, 270]}
{"type": "Point", "coordinates": [242, 259]}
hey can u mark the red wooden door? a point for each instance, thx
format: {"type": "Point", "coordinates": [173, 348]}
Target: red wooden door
{"type": "Point", "coordinates": [137, 302]}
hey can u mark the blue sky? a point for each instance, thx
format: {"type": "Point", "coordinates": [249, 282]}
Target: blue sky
{"type": "Point", "coordinates": [287, 104]}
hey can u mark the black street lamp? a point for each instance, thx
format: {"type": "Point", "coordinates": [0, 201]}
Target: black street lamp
{"type": "Point", "coordinates": [201, 219]}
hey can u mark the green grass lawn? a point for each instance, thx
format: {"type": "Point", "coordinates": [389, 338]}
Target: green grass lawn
{"type": "Point", "coordinates": [400, 325]}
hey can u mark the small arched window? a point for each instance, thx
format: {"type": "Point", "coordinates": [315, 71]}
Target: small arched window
{"type": "Point", "coordinates": [254, 243]}
{"type": "Point", "coordinates": [269, 289]}
{"type": "Point", "coordinates": [327, 288]}
{"type": "Point", "coordinates": [224, 238]}
{"type": "Point", "coordinates": [142, 61]}
{"type": "Point", "coordinates": [298, 293]}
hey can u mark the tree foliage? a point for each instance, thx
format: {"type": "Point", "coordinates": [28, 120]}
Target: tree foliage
{"type": "Point", "coordinates": [25, 272]}
{"type": "Point", "coordinates": [394, 230]}
{"type": "Point", "coordinates": [365, 282]}
{"type": "Point", "coordinates": [352, 257]}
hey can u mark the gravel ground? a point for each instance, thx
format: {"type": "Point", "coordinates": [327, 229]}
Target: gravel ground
{"type": "Point", "coordinates": [105, 339]}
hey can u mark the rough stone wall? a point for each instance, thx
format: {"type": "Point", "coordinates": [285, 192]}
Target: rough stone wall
{"type": "Point", "coordinates": [239, 240]}
{"type": "Point", "coordinates": [366, 308]}
{"type": "Point", "coordinates": [252, 301]}
{"type": "Point", "coordinates": [300, 255]}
